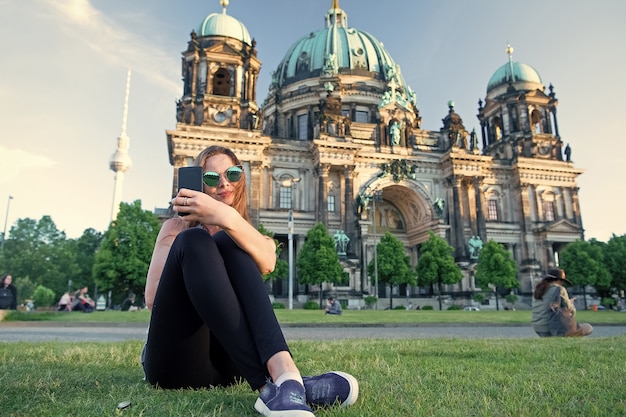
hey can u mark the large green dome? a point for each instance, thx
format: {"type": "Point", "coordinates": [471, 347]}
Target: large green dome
{"type": "Point", "coordinates": [346, 50]}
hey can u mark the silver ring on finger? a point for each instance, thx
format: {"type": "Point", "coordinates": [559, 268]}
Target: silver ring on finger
{"type": "Point", "coordinates": [185, 201]}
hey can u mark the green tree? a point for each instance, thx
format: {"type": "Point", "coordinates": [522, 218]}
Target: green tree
{"type": "Point", "coordinates": [394, 266]}
{"type": "Point", "coordinates": [584, 265]}
{"type": "Point", "coordinates": [86, 247]}
{"type": "Point", "coordinates": [25, 289]}
{"type": "Point", "coordinates": [436, 264]}
{"type": "Point", "coordinates": [122, 260]}
{"type": "Point", "coordinates": [496, 268]}
{"type": "Point", "coordinates": [281, 270]}
{"type": "Point", "coordinates": [37, 250]}
{"type": "Point", "coordinates": [614, 256]}
{"type": "Point", "coordinates": [318, 261]}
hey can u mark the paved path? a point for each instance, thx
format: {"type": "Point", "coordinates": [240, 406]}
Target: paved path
{"type": "Point", "coordinates": [107, 332]}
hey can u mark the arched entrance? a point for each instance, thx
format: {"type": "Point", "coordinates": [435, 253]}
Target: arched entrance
{"type": "Point", "coordinates": [406, 210]}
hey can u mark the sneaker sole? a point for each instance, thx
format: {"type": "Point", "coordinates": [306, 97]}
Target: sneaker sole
{"type": "Point", "coordinates": [354, 388]}
{"type": "Point", "coordinates": [260, 406]}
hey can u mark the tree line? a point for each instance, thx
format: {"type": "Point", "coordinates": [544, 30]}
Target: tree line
{"type": "Point", "coordinates": [44, 263]}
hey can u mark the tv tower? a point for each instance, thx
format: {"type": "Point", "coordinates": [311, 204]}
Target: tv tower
{"type": "Point", "coordinates": [120, 161]}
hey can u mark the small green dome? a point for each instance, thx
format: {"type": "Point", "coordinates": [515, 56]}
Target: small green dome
{"type": "Point", "coordinates": [221, 24]}
{"type": "Point", "coordinates": [513, 72]}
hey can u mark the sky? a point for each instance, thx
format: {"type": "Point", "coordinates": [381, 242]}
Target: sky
{"type": "Point", "coordinates": [65, 63]}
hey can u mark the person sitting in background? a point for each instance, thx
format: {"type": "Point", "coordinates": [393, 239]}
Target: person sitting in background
{"type": "Point", "coordinates": [546, 292]}
{"type": "Point", "coordinates": [65, 303]}
{"type": "Point", "coordinates": [82, 301]}
{"type": "Point", "coordinates": [129, 303]}
{"type": "Point", "coordinates": [334, 307]}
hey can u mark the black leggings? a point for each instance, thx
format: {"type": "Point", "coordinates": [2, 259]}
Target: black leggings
{"type": "Point", "coordinates": [212, 321]}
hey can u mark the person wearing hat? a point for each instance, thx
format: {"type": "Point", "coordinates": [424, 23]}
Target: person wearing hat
{"type": "Point", "coordinates": [549, 289]}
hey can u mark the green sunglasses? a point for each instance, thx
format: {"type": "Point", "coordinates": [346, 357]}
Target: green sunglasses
{"type": "Point", "coordinates": [232, 174]}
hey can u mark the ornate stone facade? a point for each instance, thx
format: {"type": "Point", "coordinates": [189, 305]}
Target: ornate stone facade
{"type": "Point", "coordinates": [327, 139]}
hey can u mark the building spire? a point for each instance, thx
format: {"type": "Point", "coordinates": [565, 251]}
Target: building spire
{"type": "Point", "coordinates": [509, 51]}
{"type": "Point", "coordinates": [120, 161]}
{"type": "Point", "coordinates": [224, 3]}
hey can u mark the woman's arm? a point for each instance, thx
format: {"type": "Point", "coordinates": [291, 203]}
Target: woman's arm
{"type": "Point", "coordinates": [260, 247]}
{"type": "Point", "coordinates": [169, 230]}
{"type": "Point", "coordinates": [568, 303]}
{"type": "Point", "coordinates": [208, 211]}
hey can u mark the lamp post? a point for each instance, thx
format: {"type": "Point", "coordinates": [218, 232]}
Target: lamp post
{"type": "Point", "coordinates": [376, 196]}
{"type": "Point", "coordinates": [6, 219]}
{"type": "Point", "coordinates": [290, 234]}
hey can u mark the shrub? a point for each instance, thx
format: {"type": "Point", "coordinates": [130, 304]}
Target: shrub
{"type": "Point", "coordinates": [311, 305]}
{"type": "Point", "coordinates": [608, 302]}
{"type": "Point", "coordinates": [43, 297]}
{"type": "Point", "coordinates": [370, 300]}
{"type": "Point", "coordinates": [479, 298]}
{"type": "Point", "coordinates": [427, 308]}
{"type": "Point", "coordinates": [278, 306]}
{"type": "Point", "coordinates": [454, 307]}
{"type": "Point", "coordinates": [400, 307]}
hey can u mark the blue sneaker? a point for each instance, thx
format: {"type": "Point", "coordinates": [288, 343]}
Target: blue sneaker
{"type": "Point", "coordinates": [331, 388]}
{"type": "Point", "coordinates": [288, 400]}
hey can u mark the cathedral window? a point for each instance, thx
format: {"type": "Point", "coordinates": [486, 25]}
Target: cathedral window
{"type": "Point", "coordinates": [492, 210]}
{"type": "Point", "coordinates": [302, 127]}
{"type": "Point", "coordinates": [548, 211]}
{"type": "Point", "coordinates": [331, 204]}
{"type": "Point", "coordinates": [498, 128]}
{"type": "Point", "coordinates": [221, 82]}
{"type": "Point", "coordinates": [361, 116]}
{"type": "Point", "coordinates": [514, 118]}
{"type": "Point", "coordinates": [284, 200]}
{"type": "Point", "coordinates": [536, 121]}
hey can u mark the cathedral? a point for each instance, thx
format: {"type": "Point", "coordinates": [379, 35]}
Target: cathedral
{"type": "Point", "coordinates": [337, 139]}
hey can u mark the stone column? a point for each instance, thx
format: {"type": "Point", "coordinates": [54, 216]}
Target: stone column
{"type": "Point", "coordinates": [457, 237]}
{"type": "Point", "coordinates": [481, 226]}
{"type": "Point", "coordinates": [322, 197]}
{"type": "Point", "coordinates": [348, 207]}
{"type": "Point", "coordinates": [576, 207]}
{"type": "Point", "coordinates": [525, 218]}
{"type": "Point", "coordinates": [256, 190]}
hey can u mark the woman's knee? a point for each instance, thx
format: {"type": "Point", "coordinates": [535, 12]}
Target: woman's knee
{"type": "Point", "coordinates": [193, 239]}
{"type": "Point", "coordinates": [585, 329]}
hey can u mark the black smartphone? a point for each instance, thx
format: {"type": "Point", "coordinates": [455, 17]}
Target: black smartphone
{"type": "Point", "coordinates": [191, 179]}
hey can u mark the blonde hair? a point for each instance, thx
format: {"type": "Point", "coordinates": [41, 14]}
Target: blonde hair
{"type": "Point", "coordinates": [240, 201]}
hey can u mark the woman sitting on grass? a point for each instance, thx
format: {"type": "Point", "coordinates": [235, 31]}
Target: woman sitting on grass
{"type": "Point", "coordinates": [546, 292]}
{"type": "Point", "coordinates": [212, 322]}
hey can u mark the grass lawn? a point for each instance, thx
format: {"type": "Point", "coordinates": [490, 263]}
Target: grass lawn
{"type": "Point", "coordinates": [417, 377]}
{"type": "Point", "coordinates": [349, 317]}
{"type": "Point", "coordinates": [434, 377]}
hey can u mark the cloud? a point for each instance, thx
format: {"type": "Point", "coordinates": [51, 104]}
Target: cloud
{"type": "Point", "coordinates": [114, 43]}
{"type": "Point", "coordinates": [12, 161]}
